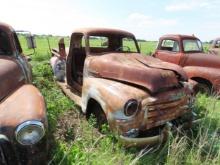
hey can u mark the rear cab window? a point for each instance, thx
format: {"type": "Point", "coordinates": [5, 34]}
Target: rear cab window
{"type": "Point", "coordinates": [170, 45]}
{"type": "Point", "coordinates": [98, 44]}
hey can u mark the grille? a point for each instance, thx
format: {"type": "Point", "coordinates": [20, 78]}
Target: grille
{"type": "Point", "coordinates": [159, 114]}
{"type": "Point", "coordinates": [7, 155]}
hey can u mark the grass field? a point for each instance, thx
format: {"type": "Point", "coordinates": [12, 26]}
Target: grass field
{"type": "Point", "coordinates": [73, 140]}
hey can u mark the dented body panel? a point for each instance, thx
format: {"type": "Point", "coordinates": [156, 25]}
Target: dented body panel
{"type": "Point", "coordinates": [20, 103]}
{"type": "Point", "coordinates": [136, 69]}
{"type": "Point", "coordinates": [112, 78]}
{"type": "Point", "coordinates": [199, 66]}
{"type": "Point", "coordinates": [153, 111]}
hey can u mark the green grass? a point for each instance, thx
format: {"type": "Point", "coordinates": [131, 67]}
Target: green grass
{"type": "Point", "coordinates": [74, 141]}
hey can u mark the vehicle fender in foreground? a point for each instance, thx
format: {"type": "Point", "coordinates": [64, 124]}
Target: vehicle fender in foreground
{"type": "Point", "coordinates": [26, 103]}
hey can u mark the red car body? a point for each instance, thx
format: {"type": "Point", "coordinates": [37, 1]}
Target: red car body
{"type": "Point", "coordinates": [201, 67]}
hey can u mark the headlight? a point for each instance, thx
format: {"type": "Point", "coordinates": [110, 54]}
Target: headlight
{"type": "Point", "coordinates": [131, 107]}
{"type": "Point", "coordinates": [30, 132]}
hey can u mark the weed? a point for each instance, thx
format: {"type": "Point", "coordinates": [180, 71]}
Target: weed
{"type": "Point", "coordinates": [74, 141]}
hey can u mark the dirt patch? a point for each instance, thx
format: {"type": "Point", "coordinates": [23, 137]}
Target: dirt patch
{"type": "Point", "coordinates": [68, 124]}
{"type": "Point", "coordinates": [73, 124]}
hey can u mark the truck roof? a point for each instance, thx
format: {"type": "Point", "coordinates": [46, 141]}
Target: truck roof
{"type": "Point", "coordinates": [6, 27]}
{"type": "Point", "coordinates": [93, 31]}
{"type": "Point", "coordinates": [178, 36]}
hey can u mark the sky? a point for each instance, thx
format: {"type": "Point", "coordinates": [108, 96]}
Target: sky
{"type": "Point", "coordinates": [147, 19]}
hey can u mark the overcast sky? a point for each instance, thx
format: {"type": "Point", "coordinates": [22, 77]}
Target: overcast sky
{"type": "Point", "coordinates": [146, 19]}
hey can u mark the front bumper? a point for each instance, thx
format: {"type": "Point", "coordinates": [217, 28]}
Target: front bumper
{"type": "Point", "coordinates": [185, 122]}
{"type": "Point", "coordinates": [145, 141]}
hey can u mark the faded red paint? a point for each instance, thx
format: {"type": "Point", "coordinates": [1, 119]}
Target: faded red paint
{"type": "Point", "coordinates": [112, 78]}
{"type": "Point", "coordinates": [199, 66]}
{"type": "Point", "coordinates": [11, 76]}
{"type": "Point", "coordinates": [19, 102]}
{"type": "Point", "coordinates": [25, 103]}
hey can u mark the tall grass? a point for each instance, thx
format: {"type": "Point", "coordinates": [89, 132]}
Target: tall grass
{"type": "Point", "coordinates": [73, 140]}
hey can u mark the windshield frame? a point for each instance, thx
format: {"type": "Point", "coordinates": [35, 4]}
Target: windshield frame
{"type": "Point", "coordinates": [199, 44]}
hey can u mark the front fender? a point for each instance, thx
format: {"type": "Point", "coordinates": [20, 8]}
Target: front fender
{"type": "Point", "coordinates": [111, 95]}
{"type": "Point", "coordinates": [26, 103]}
{"type": "Point", "coordinates": [210, 74]}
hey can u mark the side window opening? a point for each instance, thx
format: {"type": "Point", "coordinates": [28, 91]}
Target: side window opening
{"type": "Point", "coordinates": [77, 41]}
{"type": "Point", "coordinates": [78, 57]}
{"type": "Point", "coordinates": [5, 48]}
{"type": "Point", "coordinates": [170, 45]}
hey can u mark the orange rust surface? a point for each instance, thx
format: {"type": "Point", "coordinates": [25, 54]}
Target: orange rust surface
{"type": "Point", "coordinates": [19, 101]}
{"type": "Point", "coordinates": [111, 78]}
{"type": "Point", "coordinates": [134, 68]}
{"type": "Point", "coordinates": [26, 103]}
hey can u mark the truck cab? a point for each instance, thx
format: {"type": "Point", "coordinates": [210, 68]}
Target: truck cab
{"type": "Point", "coordinates": [215, 47]}
{"type": "Point", "coordinates": [187, 51]}
{"type": "Point", "coordinates": [107, 76]}
{"type": "Point", "coordinates": [23, 121]}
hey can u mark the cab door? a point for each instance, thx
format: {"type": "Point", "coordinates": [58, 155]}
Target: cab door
{"type": "Point", "coordinates": [168, 50]}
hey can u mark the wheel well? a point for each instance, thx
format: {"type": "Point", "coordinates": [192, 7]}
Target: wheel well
{"type": "Point", "coordinates": [202, 81]}
{"type": "Point", "coordinates": [91, 106]}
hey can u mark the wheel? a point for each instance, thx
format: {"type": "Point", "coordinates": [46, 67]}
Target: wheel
{"type": "Point", "coordinates": [203, 88]}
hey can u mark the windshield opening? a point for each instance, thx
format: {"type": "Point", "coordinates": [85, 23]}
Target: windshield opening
{"type": "Point", "coordinates": [113, 43]}
{"type": "Point", "coordinates": [192, 45]}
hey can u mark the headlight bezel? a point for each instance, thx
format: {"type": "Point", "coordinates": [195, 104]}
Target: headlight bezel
{"type": "Point", "coordinates": [25, 125]}
{"type": "Point", "coordinates": [128, 104]}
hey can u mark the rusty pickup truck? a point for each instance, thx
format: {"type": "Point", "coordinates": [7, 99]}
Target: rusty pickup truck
{"type": "Point", "coordinates": [215, 47]}
{"type": "Point", "coordinates": [138, 96]}
{"type": "Point", "coordinates": [23, 121]}
{"type": "Point", "coordinates": [187, 51]}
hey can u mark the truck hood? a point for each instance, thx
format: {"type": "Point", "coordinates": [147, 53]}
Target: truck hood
{"type": "Point", "coordinates": [148, 72]}
{"type": "Point", "coordinates": [11, 76]}
{"type": "Point", "coordinates": [202, 59]}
